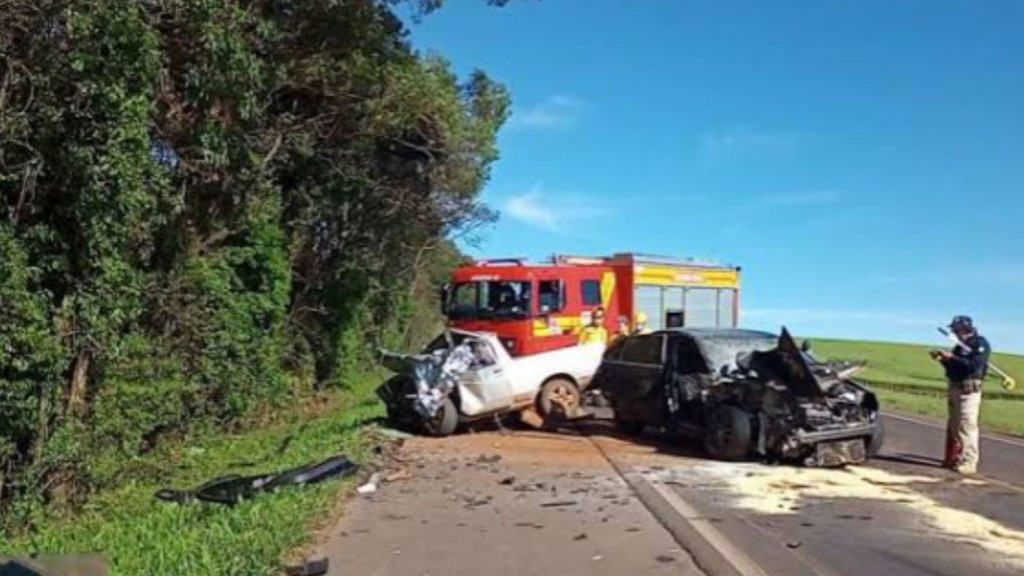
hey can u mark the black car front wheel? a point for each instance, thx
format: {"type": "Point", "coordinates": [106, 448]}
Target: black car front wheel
{"type": "Point", "coordinates": [874, 443]}
{"type": "Point", "coordinates": [728, 434]}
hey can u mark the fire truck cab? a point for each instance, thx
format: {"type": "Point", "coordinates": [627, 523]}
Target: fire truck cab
{"type": "Point", "coordinates": [539, 307]}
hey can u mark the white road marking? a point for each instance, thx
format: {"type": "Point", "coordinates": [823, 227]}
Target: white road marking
{"type": "Point", "coordinates": [941, 427]}
{"type": "Point", "coordinates": [733, 555]}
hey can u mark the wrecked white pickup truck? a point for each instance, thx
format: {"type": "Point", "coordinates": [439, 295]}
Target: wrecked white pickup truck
{"type": "Point", "coordinates": [463, 376]}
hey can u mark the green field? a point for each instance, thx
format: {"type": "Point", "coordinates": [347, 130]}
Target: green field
{"type": "Point", "coordinates": [141, 536]}
{"type": "Point", "coordinates": [891, 366]}
{"type": "Point", "coordinates": [908, 363]}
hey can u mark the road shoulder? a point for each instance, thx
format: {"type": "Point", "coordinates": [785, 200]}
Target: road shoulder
{"type": "Point", "coordinates": [533, 504]}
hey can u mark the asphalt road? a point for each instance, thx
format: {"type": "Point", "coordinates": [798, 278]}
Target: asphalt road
{"type": "Point", "coordinates": [901, 514]}
{"type": "Point", "coordinates": [589, 501]}
{"type": "Point", "coordinates": [919, 439]}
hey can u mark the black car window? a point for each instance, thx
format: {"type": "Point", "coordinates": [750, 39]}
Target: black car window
{"type": "Point", "coordinates": [689, 359]}
{"type": "Point", "coordinates": [643, 349]}
{"type": "Point", "coordinates": [615, 349]}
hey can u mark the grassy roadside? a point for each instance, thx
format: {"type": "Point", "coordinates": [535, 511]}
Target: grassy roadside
{"type": "Point", "coordinates": [909, 363]}
{"type": "Point", "coordinates": [141, 536]}
{"type": "Point", "coordinates": [996, 415]}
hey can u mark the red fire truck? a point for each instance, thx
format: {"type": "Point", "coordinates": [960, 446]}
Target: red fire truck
{"type": "Point", "coordinates": [539, 307]}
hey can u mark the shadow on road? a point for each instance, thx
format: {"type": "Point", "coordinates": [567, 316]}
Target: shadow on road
{"type": "Point", "coordinates": [910, 459]}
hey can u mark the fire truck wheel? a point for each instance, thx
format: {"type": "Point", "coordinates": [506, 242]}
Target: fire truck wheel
{"type": "Point", "coordinates": [558, 398]}
{"type": "Point", "coordinates": [445, 422]}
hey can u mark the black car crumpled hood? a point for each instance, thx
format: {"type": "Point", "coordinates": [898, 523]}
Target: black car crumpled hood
{"type": "Point", "coordinates": [789, 366]}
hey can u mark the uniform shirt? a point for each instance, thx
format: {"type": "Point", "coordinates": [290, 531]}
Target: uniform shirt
{"type": "Point", "coordinates": [591, 334]}
{"type": "Point", "coordinates": [968, 364]}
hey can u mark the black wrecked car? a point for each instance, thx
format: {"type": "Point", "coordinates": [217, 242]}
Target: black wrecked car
{"type": "Point", "coordinates": [744, 393]}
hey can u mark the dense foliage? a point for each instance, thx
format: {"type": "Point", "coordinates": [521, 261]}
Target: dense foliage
{"type": "Point", "coordinates": [210, 206]}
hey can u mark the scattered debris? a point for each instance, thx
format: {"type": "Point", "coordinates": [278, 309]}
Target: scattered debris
{"type": "Point", "coordinates": [232, 489]}
{"type": "Point", "coordinates": [371, 485]}
{"type": "Point", "coordinates": [394, 434]}
{"type": "Point", "coordinates": [559, 504]}
{"type": "Point", "coordinates": [529, 525]}
{"type": "Point", "coordinates": [474, 502]}
{"type": "Point", "coordinates": [579, 537]}
{"type": "Point", "coordinates": [398, 475]}
{"type": "Point", "coordinates": [493, 459]}
{"type": "Point", "coordinates": [317, 567]}
{"type": "Point", "coordinates": [794, 545]}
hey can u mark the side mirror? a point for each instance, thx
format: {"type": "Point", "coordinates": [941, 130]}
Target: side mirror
{"type": "Point", "coordinates": [445, 297]}
{"type": "Point", "coordinates": [806, 346]}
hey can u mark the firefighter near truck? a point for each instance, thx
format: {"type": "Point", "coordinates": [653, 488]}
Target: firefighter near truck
{"type": "Point", "coordinates": [512, 344]}
{"type": "Point", "coordinates": [539, 307]}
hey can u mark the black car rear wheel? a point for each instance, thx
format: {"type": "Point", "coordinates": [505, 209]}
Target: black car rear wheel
{"type": "Point", "coordinates": [728, 434]}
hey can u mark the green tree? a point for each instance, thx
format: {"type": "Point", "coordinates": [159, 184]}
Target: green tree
{"type": "Point", "coordinates": [208, 203]}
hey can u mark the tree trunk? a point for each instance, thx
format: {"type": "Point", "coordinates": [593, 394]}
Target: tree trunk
{"type": "Point", "coordinates": [43, 424]}
{"type": "Point", "coordinates": [79, 384]}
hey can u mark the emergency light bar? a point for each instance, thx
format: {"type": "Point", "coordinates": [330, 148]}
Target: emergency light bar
{"type": "Point", "coordinates": [501, 262]}
{"type": "Point", "coordinates": [568, 260]}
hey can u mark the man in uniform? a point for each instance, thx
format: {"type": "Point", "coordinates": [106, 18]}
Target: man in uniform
{"type": "Point", "coordinates": [966, 367]}
{"type": "Point", "coordinates": [595, 331]}
{"type": "Point", "coordinates": [640, 323]}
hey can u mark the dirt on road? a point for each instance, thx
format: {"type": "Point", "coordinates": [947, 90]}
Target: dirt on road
{"type": "Point", "coordinates": [588, 501]}
{"type": "Point", "coordinates": [502, 504]}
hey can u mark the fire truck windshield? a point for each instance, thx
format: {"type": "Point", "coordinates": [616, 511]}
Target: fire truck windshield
{"type": "Point", "coordinates": [490, 300]}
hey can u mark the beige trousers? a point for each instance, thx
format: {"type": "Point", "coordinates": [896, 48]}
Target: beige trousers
{"type": "Point", "coordinates": [962, 427]}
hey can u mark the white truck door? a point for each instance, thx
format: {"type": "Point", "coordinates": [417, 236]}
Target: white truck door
{"type": "Point", "coordinates": [487, 387]}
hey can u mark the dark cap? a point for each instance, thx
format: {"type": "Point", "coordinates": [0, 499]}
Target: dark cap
{"type": "Point", "coordinates": [962, 323]}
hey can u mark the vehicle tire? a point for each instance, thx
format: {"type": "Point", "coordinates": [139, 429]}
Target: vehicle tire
{"type": "Point", "coordinates": [874, 443]}
{"type": "Point", "coordinates": [728, 434]}
{"type": "Point", "coordinates": [445, 422]}
{"type": "Point", "coordinates": [559, 398]}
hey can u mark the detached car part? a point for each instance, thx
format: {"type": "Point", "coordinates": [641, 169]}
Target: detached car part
{"type": "Point", "coordinates": [232, 489]}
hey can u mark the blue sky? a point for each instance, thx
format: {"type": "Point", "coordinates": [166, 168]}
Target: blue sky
{"type": "Point", "coordinates": [863, 161]}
